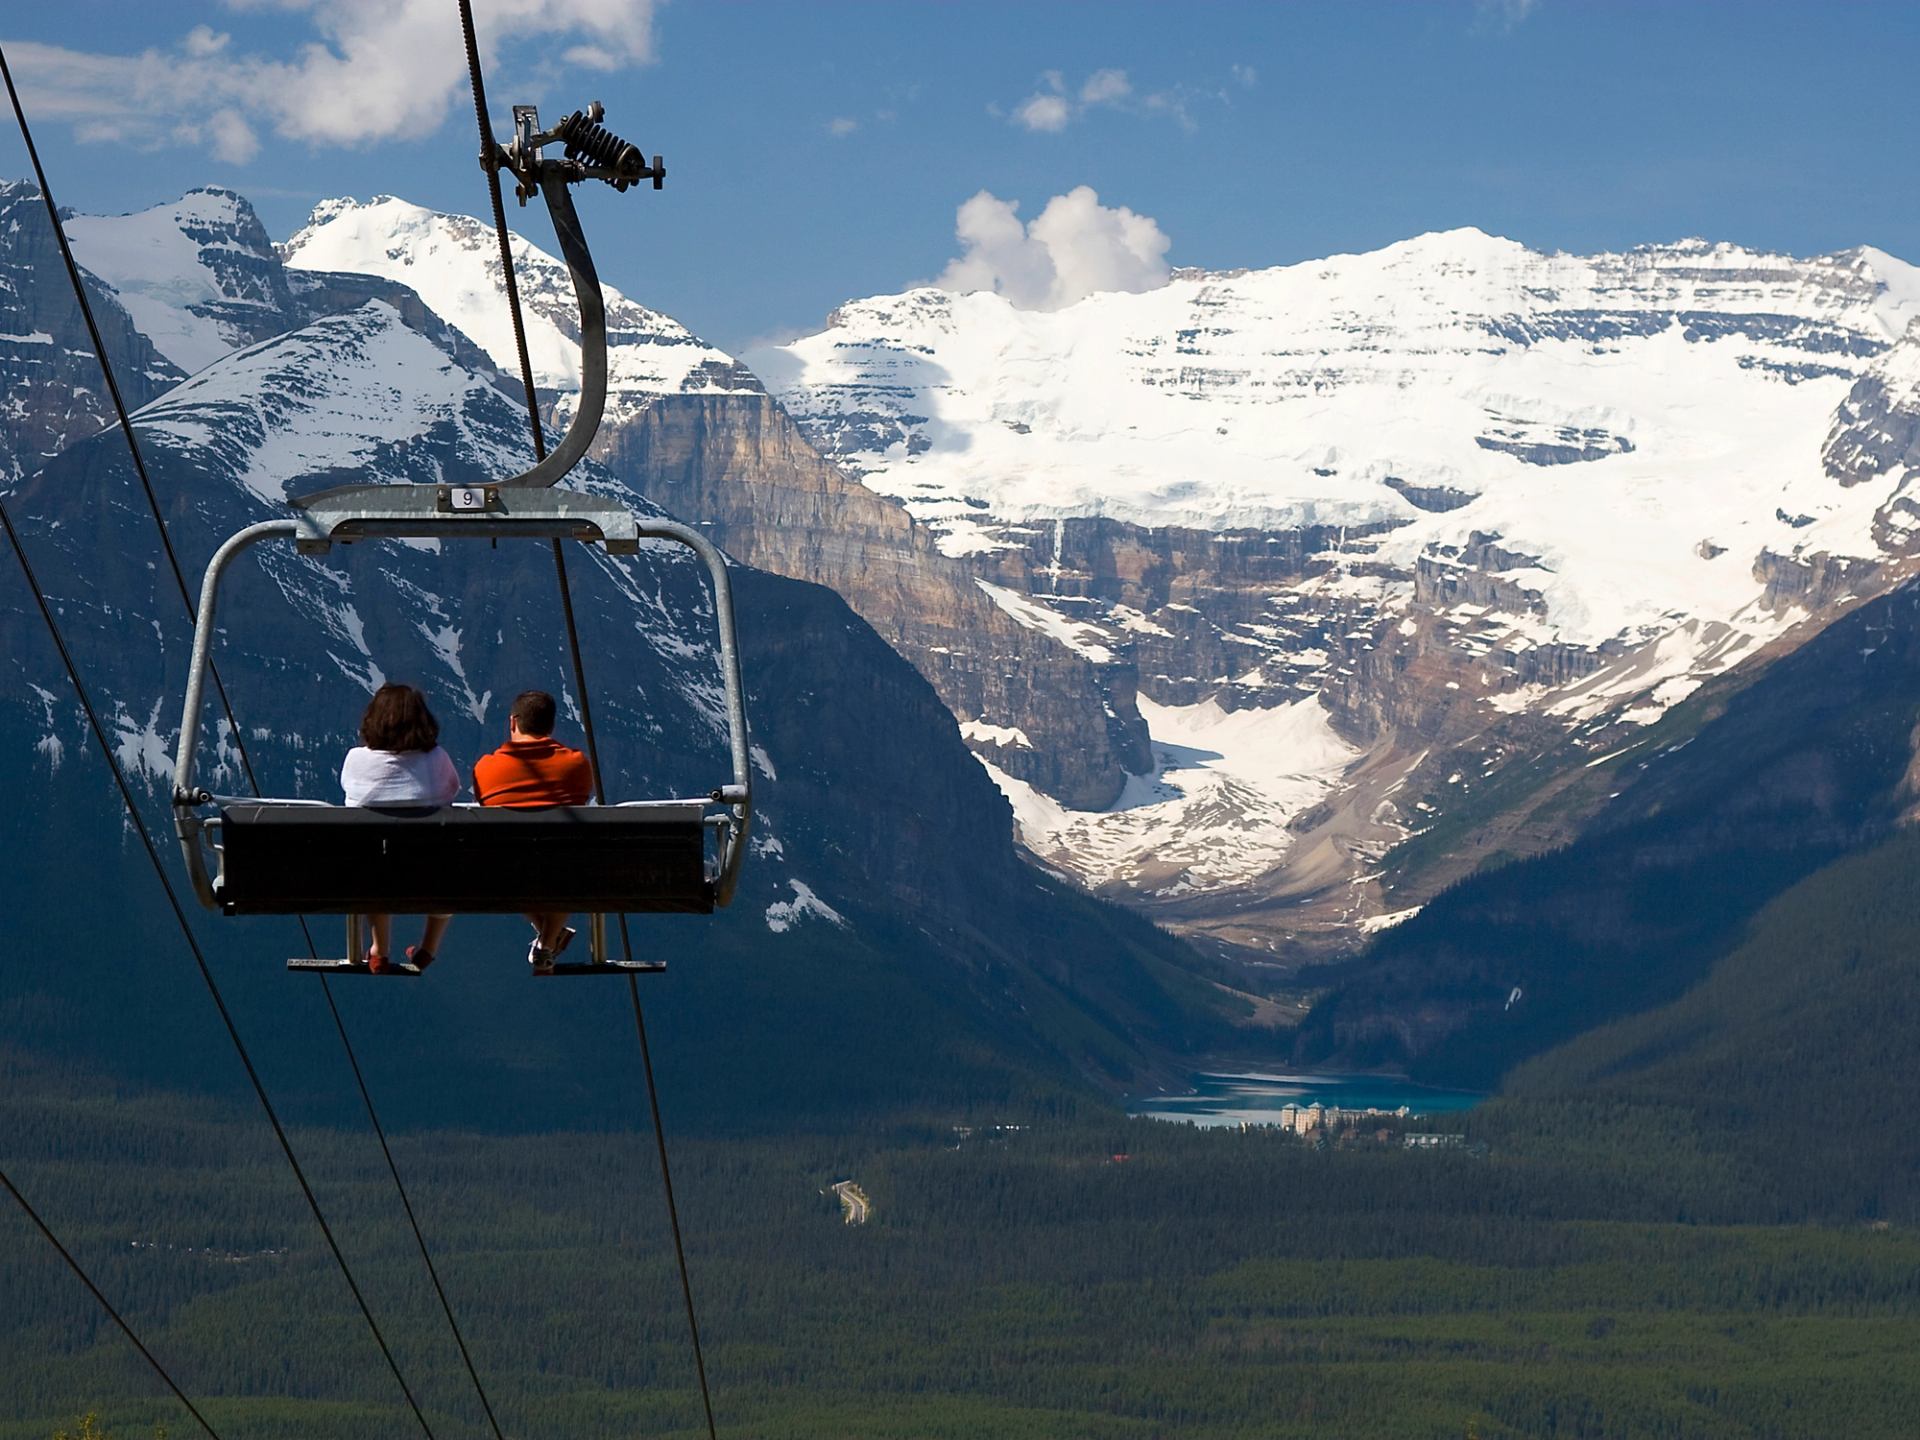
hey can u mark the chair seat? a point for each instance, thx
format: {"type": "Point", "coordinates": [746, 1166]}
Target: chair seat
{"type": "Point", "coordinates": [281, 857]}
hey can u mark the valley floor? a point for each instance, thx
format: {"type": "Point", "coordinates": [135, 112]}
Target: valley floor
{"type": "Point", "coordinates": [1008, 1282]}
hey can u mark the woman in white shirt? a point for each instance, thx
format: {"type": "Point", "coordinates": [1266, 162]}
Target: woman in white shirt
{"type": "Point", "coordinates": [399, 762]}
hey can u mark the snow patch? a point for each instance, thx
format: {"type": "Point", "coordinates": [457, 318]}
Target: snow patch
{"type": "Point", "coordinates": [980, 732]}
{"type": "Point", "coordinates": [1213, 812]}
{"type": "Point", "coordinates": [783, 915]}
{"type": "Point", "coordinates": [1374, 924]}
{"type": "Point", "coordinates": [1082, 639]}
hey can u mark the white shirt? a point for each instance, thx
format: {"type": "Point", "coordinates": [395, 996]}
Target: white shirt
{"type": "Point", "coordinates": [399, 777]}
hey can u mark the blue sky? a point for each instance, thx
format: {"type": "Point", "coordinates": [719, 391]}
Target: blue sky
{"type": "Point", "coordinates": [820, 151]}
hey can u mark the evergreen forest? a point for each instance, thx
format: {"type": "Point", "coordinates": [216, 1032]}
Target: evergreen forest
{"type": "Point", "coordinates": [1697, 1221]}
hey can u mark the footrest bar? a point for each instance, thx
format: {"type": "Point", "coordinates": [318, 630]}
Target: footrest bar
{"type": "Point", "coordinates": [351, 967]}
{"type": "Point", "coordinates": [612, 967]}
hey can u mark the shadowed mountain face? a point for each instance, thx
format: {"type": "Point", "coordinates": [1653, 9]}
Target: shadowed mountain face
{"type": "Point", "coordinates": [1736, 796]}
{"type": "Point", "coordinates": [48, 375]}
{"type": "Point", "coordinates": [887, 945]}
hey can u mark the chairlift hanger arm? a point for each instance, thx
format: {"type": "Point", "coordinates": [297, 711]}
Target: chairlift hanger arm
{"type": "Point", "coordinates": [592, 153]}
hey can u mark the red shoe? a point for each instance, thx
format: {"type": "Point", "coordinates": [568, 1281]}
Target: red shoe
{"type": "Point", "coordinates": [376, 964]}
{"type": "Point", "coordinates": [419, 958]}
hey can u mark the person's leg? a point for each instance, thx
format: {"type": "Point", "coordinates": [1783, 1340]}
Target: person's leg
{"type": "Point", "coordinates": [382, 927]}
{"type": "Point", "coordinates": [436, 929]}
{"type": "Point", "coordinates": [552, 928]}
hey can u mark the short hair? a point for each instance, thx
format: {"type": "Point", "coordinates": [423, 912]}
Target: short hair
{"type": "Point", "coordinates": [533, 712]}
{"type": "Point", "coordinates": [398, 719]}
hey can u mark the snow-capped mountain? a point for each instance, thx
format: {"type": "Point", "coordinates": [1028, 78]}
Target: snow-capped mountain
{"type": "Point", "coordinates": [690, 427]}
{"type": "Point", "coordinates": [1433, 492]}
{"type": "Point", "coordinates": [198, 275]}
{"type": "Point", "coordinates": [1237, 584]}
{"type": "Point", "coordinates": [839, 921]}
{"type": "Point", "coordinates": [50, 390]}
{"type": "Point", "coordinates": [453, 263]}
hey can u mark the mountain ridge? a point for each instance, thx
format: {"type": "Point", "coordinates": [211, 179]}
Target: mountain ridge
{"type": "Point", "coordinates": [986, 973]}
{"type": "Point", "coordinates": [1434, 644]}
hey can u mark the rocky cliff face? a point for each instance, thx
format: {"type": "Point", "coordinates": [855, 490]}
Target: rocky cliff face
{"type": "Point", "coordinates": [740, 466]}
{"type": "Point", "coordinates": [48, 374]}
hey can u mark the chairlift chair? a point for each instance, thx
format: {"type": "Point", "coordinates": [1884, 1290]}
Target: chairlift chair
{"type": "Point", "coordinates": [280, 857]}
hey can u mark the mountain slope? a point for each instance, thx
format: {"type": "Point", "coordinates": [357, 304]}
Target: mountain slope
{"type": "Point", "coordinates": [199, 276]}
{"type": "Point", "coordinates": [887, 943]}
{"type": "Point", "coordinates": [1789, 1065]}
{"type": "Point", "coordinates": [49, 379]}
{"type": "Point", "coordinates": [1740, 793]}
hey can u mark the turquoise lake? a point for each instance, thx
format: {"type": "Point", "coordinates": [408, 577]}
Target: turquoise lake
{"type": "Point", "coordinates": [1258, 1098]}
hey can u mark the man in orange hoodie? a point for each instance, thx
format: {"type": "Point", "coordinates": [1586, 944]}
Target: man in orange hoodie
{"type": "Point", "coordinates": [532, 771]}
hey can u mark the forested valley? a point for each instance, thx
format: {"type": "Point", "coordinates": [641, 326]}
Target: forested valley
{"type": "Point", "coordinates": [1696, 1222]}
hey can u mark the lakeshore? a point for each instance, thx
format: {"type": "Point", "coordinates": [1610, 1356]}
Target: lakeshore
{"type": "Point", "coordinates": [1259, 1098]}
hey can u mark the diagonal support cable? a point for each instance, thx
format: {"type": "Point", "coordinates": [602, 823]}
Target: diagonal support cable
{"type": "Point", "coordinates": [139, 823]}
{"type": "Point", "coordinates": [233, 726]}
{"type": "Point", "coordinates": [107, 1305]}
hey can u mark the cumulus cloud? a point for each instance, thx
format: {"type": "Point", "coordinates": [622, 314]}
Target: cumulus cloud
{"type": "Point", "coordinates": [1105, 87]}
{"type": "Point", "coordinates": [1074, 248]}
{"type": "Point", "coordinates": [375, 69]}
{"type": "Point", "coordinates": [1042, 113]}
{"type": "Point", "coordinates": [1057, 105]}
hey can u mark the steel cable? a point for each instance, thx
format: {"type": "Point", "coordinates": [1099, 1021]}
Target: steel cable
{"type": "Point", "coordinates": [107, 1305]}
{"type": "Point", "coordinates": [490, 163]}
{"type": "Point", "coordinates": [153, 504]}
{"type": "Point", "coordinates": [139, 824]}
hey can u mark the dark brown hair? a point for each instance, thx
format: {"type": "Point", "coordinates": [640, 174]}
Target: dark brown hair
{"type": "Point", "coordinates": [397, 718]}
{"type": "Point", "coordinates": [533, 711]}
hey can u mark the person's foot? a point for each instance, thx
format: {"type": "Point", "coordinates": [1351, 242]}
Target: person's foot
{"type": "Point", "coordinates": [540, 958]}
{"type": "Point", "coordinates": [376, 962]}
{"type": "Point", "coordinates": [420, 957]}
{"type": "Point", "coordinates": [559, 946]}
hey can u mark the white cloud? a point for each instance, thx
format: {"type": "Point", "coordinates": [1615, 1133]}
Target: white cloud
{"type": "Point", "coordinates": [1245, 76]}
{"type": "Point", "coordinates": [203, 40]}
{"type": "Point", "coordinates": [1074, 248]}
{"type": "Point", "coordinates": [1104, 87]}
{"type": "Point", "coordinates": [1044, 113]}
{"type": "Point", "coordinates": [1055, 106]}
{"type": "Point", "coordinates": [233, 139]}
{"type": "Point", "coordinates": [842, 126]}
{"type": "Point", "coordinates": [376, 69]}
{"type": "Point", "coordinates": [1172, 105]}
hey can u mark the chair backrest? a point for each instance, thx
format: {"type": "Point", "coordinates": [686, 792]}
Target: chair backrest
{"type": "Point", "coordinates": [287, 857]}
